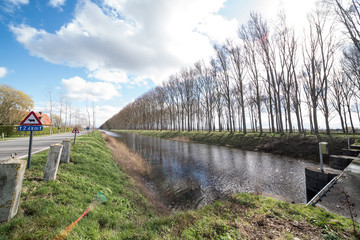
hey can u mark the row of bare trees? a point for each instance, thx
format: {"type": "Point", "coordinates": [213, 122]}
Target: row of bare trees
{"type": "Point", "coordinates": [64, 115]}
{"type": "Point", "coordinates": [268, 76]}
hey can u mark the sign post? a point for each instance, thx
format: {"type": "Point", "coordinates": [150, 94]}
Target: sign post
{"type": "Point", "coordinates": [75, 130]}
{"type": "Point", "coordinates": [30, 123]}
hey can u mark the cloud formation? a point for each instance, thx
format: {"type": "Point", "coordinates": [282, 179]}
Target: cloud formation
{"type": "Point", "coordinates": [115, 76]}
{"type": "Point", "coordinates": [57, 3]}
{"type": "Point", "coordinates": [3, 72]}
{"type": "Point", "coordinates": [103, 113]}
{"type": "Point", "coordinates": [79, 89]}
{"type": "Point", "coordinates": [17, 2]}
{"type": "Point", "coordinates": [152, 38]}
{"type": "Point", "coordinates": [10, 6]}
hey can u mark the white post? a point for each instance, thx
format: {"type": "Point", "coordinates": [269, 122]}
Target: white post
{"type": "Point", "coordinates": [321, 159]}
{"type": "Point", "coordinates": [3, 136]}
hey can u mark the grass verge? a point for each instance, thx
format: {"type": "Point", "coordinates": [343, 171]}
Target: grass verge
{"type": "Point", "coordinates": [48, 207]}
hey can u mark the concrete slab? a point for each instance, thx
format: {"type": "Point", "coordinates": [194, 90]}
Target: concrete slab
{"type": "Point", "coordinates": [355, 146]}
{"type": "Point", "coordinates": [350, 183]}
{"type": "Point", "coordinates": [340, 162]}
{"type": "Point", "coordinates": [351, 152]}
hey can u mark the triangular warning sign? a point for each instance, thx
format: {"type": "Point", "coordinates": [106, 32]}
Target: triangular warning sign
{"type": "Point", "coordinates": [75, 130]}
{"type": "Point", "coordinates": [31, 120]}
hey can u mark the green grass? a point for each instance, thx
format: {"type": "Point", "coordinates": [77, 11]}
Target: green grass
{"type": "Point", "coordinates": [48, 207]}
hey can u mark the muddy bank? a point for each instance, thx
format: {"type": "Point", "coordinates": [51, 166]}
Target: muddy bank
{"type": "Point", "coordinates": [137, 168]}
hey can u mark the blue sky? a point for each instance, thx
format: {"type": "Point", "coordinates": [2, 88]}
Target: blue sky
{"type": "Point", "coordinates": [112, 51]}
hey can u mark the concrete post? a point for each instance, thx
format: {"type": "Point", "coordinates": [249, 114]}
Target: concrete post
{"type": "Point", "coordinates": [11, 179]}
{"type": "Point", "coordinates": [3, 136]}
{"type": "Point", "coordinates": [323, 149]}
{"type": "Point", "coordinates": [52, 163]}
{"type": "Point", "coordinates": [65, 154]}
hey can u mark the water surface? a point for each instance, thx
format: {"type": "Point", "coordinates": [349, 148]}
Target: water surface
{"type": "Point", "coordinates": [190, 175]}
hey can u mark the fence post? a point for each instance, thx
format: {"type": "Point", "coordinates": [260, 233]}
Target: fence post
{"type": "Point", "coordinates": [11, 179]}
{"type": "Point", "coordinates": [52, 163]}
{"type": "Point", "coordinates": [3, 136]}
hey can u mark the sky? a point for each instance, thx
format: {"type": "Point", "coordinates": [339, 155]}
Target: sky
{"type": "Point", "coordinates": [106, 53]}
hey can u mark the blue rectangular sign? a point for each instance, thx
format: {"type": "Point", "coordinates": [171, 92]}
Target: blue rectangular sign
{"type": "Point", "coordinates": [30, 128]}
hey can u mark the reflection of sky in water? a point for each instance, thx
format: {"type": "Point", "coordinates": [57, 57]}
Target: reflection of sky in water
{"type": "Point", "coordinates": [189, 175]}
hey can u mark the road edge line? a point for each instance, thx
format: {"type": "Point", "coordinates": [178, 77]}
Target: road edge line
{"type": "Point", "coordinates": [24, 156]}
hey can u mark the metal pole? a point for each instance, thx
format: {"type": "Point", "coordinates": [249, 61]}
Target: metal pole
{"type": "Point", "coordinates": [348, 143]}
{"type": "Point", "coordinates": [74, 138]}
{"type": "Point", "coordinates": [29, 153]}
{"type": "Point", "coordinates": [321, 159]}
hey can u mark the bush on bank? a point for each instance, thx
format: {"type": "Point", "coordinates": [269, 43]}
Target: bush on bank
{"type": "Point", "coordinates": [46, 208]}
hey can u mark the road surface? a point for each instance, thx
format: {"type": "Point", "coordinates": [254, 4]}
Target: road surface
{"type": "Point", "coordinates": [39, 143]}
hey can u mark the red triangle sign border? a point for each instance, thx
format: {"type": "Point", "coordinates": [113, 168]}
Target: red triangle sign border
{"type": "Point", "coordinates": [36, 121]}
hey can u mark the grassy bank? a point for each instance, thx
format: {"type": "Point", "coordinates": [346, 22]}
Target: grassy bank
{"type": "Point", "coordinates": [295, 145]}
{"type": "Point", "coordinates": [48, 207]}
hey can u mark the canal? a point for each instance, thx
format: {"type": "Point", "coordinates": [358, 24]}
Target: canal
{"type": "Point", "coordinates": [189, 175]}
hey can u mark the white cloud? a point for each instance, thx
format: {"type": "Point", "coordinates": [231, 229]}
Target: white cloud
{"type": "Point", "coordinates": [79, 89]}
{"type": "Point", "coordinates": [57, 3]}
{"type": "Point", "coordinates": [296, 11]}
{"type": "Point", "coordinates": [115, 76]}
{"type": "Point", "coordinates": [3, 72]}
{"type": "Point", "coordinates": [11, 5]}
{"type": "Point", "coordinates": [18, 2]}
{"type": "Point", "coordinates": [152, 38]}
{"type": "Point", "coordinates": [103, 113]}
{"type": "Point", "coordinates": [218, 28]}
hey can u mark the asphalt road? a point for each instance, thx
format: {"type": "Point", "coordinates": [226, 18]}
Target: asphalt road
{"type": "Point", "coordinates": [41, 143]}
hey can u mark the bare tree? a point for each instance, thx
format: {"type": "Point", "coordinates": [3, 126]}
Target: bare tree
{"type": "Point", "coordinates": [237, 59]}
{"type": "Point", "coordinates": [313, 83]}
{"type": "Point", "coordinates": [225, 85]}
{"type": "Point", "coordinates": [337, 96]}
{"type": "Point", "coordinates": [325, 31]}
{"type": "Point", "coordinates": [250, 37]}
{"type": "Point", "coordinates": [351, 67]}
{"type": "Point", "coordinates": [349, 15]}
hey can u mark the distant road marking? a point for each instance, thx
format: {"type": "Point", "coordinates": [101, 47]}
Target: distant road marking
{"type": "Point", "coordinates": [35, 152]}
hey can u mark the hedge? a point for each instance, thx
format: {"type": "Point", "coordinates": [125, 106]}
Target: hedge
{"type": "Point", "coordinates": [12, 131]}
